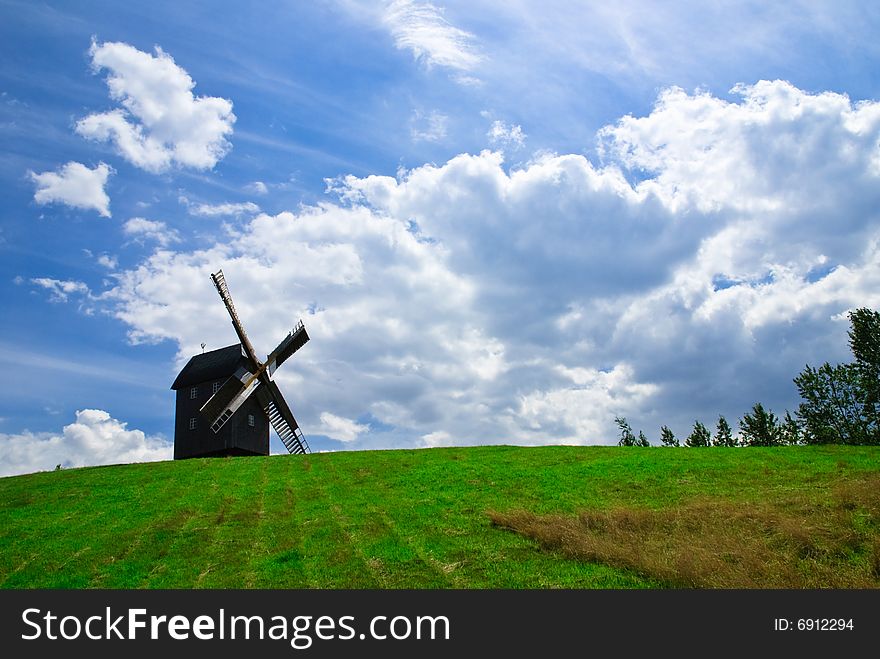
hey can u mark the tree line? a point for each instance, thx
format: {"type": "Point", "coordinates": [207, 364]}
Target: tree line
{"type": "Point", "coordinates": [840, 404]}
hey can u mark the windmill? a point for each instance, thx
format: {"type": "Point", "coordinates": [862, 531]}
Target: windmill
{"type": "Point", "coordinates": [241, 390]}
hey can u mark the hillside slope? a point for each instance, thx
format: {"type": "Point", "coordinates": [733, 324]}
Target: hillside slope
{"type": "Point", "coordinates": [424, 518]}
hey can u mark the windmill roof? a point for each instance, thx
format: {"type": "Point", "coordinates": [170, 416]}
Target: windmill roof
{"type": "Point", "coordinates": [212, 365]}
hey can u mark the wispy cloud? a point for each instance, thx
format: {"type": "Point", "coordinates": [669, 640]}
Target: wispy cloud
{"type": "Point", "coordinates": [139, 228]}
{"type": "Point", "coordinates": [221, 210]}
{"type": "Point", "coordinates": [257, 187]}
{"type": "Point", "coordinates": [502, 135]}
{"type": "Point", "coordinates": [119, 371]}
{"type": "Point", "coordinates": [61, 289]}
{"type": "Point", "coordinates": [429, 127]}
{"type": "Point", "coordinates": [421, 28]}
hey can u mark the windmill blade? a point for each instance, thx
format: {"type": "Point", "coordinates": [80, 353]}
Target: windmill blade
{"type": "Point", "coordinates": [294, 340]}
{"type": "Point", "coordinates": [220, 284]}
{"type": "Point", "coordinates": [282, 419]}
{"type": "Point", "coordinates": [229, 397]}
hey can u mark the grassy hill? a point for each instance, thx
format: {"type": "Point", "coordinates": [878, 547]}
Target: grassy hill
{"type": "Point", "coordinates": [487, 517]}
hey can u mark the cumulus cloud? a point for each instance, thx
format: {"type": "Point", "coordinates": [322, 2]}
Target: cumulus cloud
{"type": "Point", "coordinates": [557, 414]}
{"type": "Point", "coordinates": [95, 438]}
{"type": "Point", "coordinates": [506, 136]}
{"type": "Point", "coordinates": [340, 428]}
{"type": "Point", "coordinates": [793, 175]}
{"type": "Point", "coordinates": [161, 123]}
{"type": "Point", "coordinates": [438, 438]}
{"type": "Point", "coordinates": [74, 185]}
{"type": "Point", "coordinates": [694, 270]}
{"type": "Point", "coordinates": [391, 326]}
{"type": "Point", "coordinates": [421, 28]}
{"type": "Point", "coordinates": [758, 155]}
{"type": "Point", "coordinates": [558, 222]}
{"type": "Point", "coordinates": [139, 228]}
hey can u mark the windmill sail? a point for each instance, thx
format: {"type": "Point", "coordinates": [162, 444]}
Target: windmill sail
{"type": "Point", "coordinates": [282, 419]}
{"type": "Point", "coordinates": [229, 397]}
{"type": "Point", "coordinates": [220, 284]}
{"type": "Point", "coordinates": [291, 343]}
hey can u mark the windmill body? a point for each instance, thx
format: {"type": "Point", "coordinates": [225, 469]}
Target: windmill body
{"type": "Point", "coordinates": [245, 433]}
{"type": "Point", "coordinates": [226, 399]}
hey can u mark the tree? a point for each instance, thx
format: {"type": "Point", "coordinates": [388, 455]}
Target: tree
{"type": "Point", "coordinates": [832, 411]}
{"type": "Point", "coordinates": [760, 428]}
{"type": "Point", "coordinates": [667, 437]}
{"type": "Point", "coordinates": [841, 404]}
{"type": "Point", "coordinates": [864, 342]}
{"type": "Point", "coordinates": [627, 438]}
{"type": "Point", "coordinates": [723, 433]}
{"type": "Point", "coordinates": [699, 436]}
{"type": "Point", "coordinates": [791, 430]}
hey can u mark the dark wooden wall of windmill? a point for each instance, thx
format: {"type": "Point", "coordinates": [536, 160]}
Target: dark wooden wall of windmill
{"type": "Point", "coordinates": [236, 437]}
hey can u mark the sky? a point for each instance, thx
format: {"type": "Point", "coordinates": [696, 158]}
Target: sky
{"type": "Point", "coordinates": [501, 222]}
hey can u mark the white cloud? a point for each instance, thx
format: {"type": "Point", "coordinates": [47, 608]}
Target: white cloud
{"type": "Point", "coordinates": [142, 228]}
{"type": "Point", "coordinates": [421, 28]}
{"type": "Point", "coordinates": [95, 438]}
{"type": "Point", "coordinates": [257, 187]}
{"type": "Point", "coordinates": [558, 414]}
{"type": "Point", "coordinates": [75, 185]}
{"type": "Point", "coordinates": [506, 136]}
{"type": "Point", "coordinates": [692, 273]}
{"type": "Point", "coordinates": [322, 265]}
{"type": "Point", "coordinates": [438, 438]}
{"type": "Point", "coordinates": [160, 123]}
{"type": "Point", "coordinates": [791, 174]}
{"type": "Point", "coordinates": [429, 127]}
{"type": "Point", "coordinates": [762, 154]}
{"type": "Point", "coordinates": [107, 261]}
{"type": "Point", "coordinates": [59, 289]}
{"type": "Point", "coordinates": [486, 217]}
{"type": "Point", "coordinates": [226, 209]}
{"type": "Point", "coordinates": [340, 428]}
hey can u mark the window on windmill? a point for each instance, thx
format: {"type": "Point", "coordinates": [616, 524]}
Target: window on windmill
{"type": "Point", "coordinates": [251, 420]}
{"type": "Point", "coordinates": [192, 423]}
{"type": "Point", "coordinates": [194, 392]}
{"type": "Point", "coordinates": [216, 387]}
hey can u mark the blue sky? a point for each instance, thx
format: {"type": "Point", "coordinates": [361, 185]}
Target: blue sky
{"type": "Point", "coordinates": [502, 222]}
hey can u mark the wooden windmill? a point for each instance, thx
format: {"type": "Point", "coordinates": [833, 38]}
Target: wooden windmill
{"type": "Point", "coordinates": [242, 399]}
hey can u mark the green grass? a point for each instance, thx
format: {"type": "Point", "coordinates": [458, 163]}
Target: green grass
{"type": "Point", "coordinates": [401, 519]}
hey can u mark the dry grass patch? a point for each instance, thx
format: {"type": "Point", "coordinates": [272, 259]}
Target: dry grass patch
{"type": "Point", "coordinates": [795, 543]}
